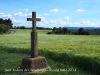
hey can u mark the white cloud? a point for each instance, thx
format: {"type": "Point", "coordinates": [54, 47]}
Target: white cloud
{"type": "Point", "coordinates": [26, 10]}
{"type": "Point", "coordinates": [18, 14]}
{"type": "Point", "coordinates": [3, 15]}
{"type": "Point", "coordinates": [28, 15]}
{"type": "Point", "coordinates": [79, 10]}
{"type": "Point", "coordinates": [54, 10]}
{"type": "Point", "coordinates": [56, 23]}
{"type": "Point", "coordinates": [51, 23]}
{"type": "Point", "coordinates": [44, 22]}
{"type": "Point", "coordinates": [89, 23]}
{"type": "Point", "coordinates": [19, 21]}
{"type": "Point", "coordinates": [63, 10]}
{"type": "Point", "coordinates": [46, 14]}
{"type": "Point", "coordinates": [48, 23]}
{"type": "Point", "coordinates": [23, 15]}
{"type": "Point", "coordinates": [67, 21]}
{"type": "Point", "coordinates": [84, 23]}
{"type": "Point", "coordinates": [67, 18]}
{"type": "Point", "coordinates": [62, 23]}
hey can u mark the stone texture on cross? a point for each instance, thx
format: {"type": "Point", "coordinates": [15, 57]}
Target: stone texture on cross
{"type": "Point", "coordinates": [34, 38]}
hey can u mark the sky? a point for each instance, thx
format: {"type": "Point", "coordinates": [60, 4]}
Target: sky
{"type": "Point", "coordinates": [53, 13]}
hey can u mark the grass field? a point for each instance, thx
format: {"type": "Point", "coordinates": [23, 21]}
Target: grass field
{"type": "Point", "coordinates": [76, 54]}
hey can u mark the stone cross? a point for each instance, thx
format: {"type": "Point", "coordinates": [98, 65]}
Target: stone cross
{"type": "Point", "coordinates": [34, 42]}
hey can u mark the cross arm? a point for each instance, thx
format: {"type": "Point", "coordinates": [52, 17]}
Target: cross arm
{"type": "Point", "coordinates": [33, 19]}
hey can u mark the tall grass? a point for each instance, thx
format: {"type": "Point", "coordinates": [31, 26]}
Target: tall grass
{"type": "Point", "coordinates": [80, 53]}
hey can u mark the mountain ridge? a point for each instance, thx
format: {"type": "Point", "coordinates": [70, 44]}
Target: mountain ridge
{"type": "Point", "coordinates": [85, 28]}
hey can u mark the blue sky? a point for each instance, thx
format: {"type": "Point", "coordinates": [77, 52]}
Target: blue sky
{"type": "Point", "coordinates": [53, 13]}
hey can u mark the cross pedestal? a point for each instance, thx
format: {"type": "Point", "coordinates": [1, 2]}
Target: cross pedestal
{"type": "Point", "coordinates": [34, 63]}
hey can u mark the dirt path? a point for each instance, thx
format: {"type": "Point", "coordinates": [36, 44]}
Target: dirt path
{"type": "Point", "coordinates": [11, 31]}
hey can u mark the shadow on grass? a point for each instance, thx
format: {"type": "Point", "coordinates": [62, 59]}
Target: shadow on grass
{"type": "Point", "coordinates": [14, 50]}
{"type": "Point", "coordinates": [87, 64]}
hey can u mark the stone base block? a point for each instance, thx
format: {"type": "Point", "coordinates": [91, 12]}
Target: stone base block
{"type": "Point", "coordinates": [34, 64]}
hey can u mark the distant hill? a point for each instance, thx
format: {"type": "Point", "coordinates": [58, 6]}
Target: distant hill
{"type": "Point", "coordinates": [85, 28]}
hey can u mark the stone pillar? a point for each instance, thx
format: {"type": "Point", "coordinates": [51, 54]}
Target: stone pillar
{"type": "Point", "coordinates": [34, 44]}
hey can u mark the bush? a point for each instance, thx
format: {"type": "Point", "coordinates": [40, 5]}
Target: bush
{"type": "Point", "coordinates": [81, 31]}
{"type": "Point", "coordinates": [49, 32]}
{"type": "Point", "coordinates": [3, 28]}
{"type": "Point", "coordinates": [84, 33]}
{"type": "Point", "coordinates": [5, 24]}
{"type": "Point", "coordinates": [75, 33]}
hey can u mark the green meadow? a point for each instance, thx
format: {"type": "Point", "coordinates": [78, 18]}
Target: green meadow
{"type": "Point", "coordinates": [65, 54]}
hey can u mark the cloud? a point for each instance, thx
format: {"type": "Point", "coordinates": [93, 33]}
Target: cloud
{"type": "Point", "coordinates": [46, 14]}
{"type": "Point", "coordinates": [63, 10]}
{"type": "Point", "coordinates": [79, 10]}
{"type": "Point", "coordinates": [89, 23]}
{"type": "Point", "coordinates": [18, 14]}
{"type": "Point", "coordinates": [62, 23]}
{"type": "Point", "coordinates": [51, 23]}
{"type": "Point", "coordinates": [67, 18]}
{"type": "Point", "coordinates": [3, 15]}
{"type": "Point", "coordinates": [66, 21]}
{"type": "Point", "coordinates": [54, 10]}
{"type": "Point", "coordinates": [28, 15]}
{"type": "Point", "coordinates": [26, 10]}
{"type": "Point", "coordinates": [57, 23]}
{"type": "Point", "coordinates": [84, 23]}
{"type": "Point", "coordinates": [44, 22]}
{"type": "Point", "coordinates": [23, 15]}
{"type": "Point", "coordinates": [19, 21]}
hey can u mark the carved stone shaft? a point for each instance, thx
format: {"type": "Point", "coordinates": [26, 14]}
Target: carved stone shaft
{"type": "Point", "coordinates": [34, 44]}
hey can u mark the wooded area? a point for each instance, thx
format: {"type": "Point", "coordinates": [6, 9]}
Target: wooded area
{"type": "Point", "coordinates": [5, 25]}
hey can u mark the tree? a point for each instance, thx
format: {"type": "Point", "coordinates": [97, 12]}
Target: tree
{"type": "Point", "coordinates": [65, 30]}
{"type": "Point", "coordinates": [54, 29]}
{"type": "Point", "coordinates": [9, 22]}
{"type": "Point", "coordinates": [1, 21]}
{"type": "Point", "coordinates": [5, 25]}
{"type": "Point", "coordinates": [81, 31]}
{"type": "Point", "coordinates": [22, 27]}
{"type": "Point", "coordinates": [75, 33]}
{"type": "Point", "coordinates": [6, 28]}
{"type": "Point", "coordinates": [1, 28]}
{"type": "Point", "coordinates": [60, 30]}
{"type": "Point", "coordinates": [85, 33]}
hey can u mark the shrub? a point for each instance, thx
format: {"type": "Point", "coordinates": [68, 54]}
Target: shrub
{"type": "Point", "coordinates": [49, 32]}
{"type": "Point", "coordinates": [3, 28]}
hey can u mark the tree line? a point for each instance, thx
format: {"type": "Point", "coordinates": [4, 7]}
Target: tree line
{"type": "Point", "coordinates": [23, 27]}
{"type": "Point", "coordinates": [65, 30]}
{"type": "Point", "coordinates": [5, 25]}
{"type": "Point", "coordinates": [60, 30]}
{"type": "Point", "coordinates": [81, 31]}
